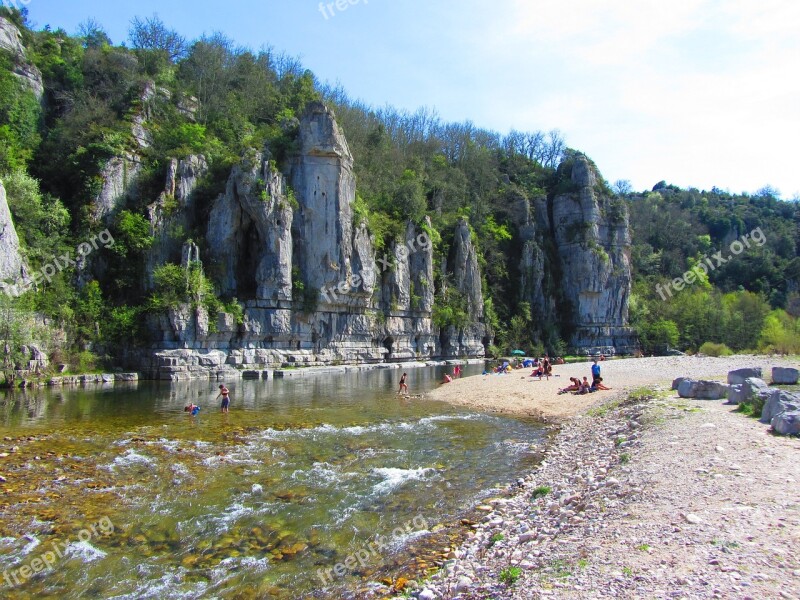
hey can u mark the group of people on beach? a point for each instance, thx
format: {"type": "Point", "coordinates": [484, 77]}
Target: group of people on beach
{"type": "Point", "coordinates": [224, 393]}
{"type": "Point", "coordinates": [578, 387]}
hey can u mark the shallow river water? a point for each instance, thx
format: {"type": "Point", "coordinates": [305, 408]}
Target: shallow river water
{"type": "Point", "coordinates": [118, 493]}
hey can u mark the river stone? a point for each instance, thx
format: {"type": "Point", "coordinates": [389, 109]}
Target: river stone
{"type": "Point", "coordinates": [752, 386]}
{"type": "Point", "coordinates": [778, 402]}
{"type": "Point", "coordinates": [784, 375]}
{"type": "Point", "coordinates": [739, 375]}
{"type": "Point", "coordinates": [787, 423]}
{"type": "Point", "coordinates": [702, 390]}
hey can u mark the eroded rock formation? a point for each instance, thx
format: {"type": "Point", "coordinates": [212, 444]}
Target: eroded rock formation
{"type": "Point", "coordinates": [592, 238]}
{"type": "Point", "coordinates": [12, 266]}
{"type": "Point", "coordinates": [311, 287]}
{"type": "Point", "coordinates": [24, 70]}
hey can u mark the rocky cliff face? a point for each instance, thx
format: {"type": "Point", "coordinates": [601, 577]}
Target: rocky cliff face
{"type": "Point", "coordinates": [306, 274]}
{"type": "Point", "coordinates": [593, 242]}
{"type": "Point", "coordinates": [26, 71]}
{"type": "Point", "coordinates": [12, 265]}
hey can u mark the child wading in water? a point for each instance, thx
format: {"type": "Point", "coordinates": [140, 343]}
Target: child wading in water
{"type": "Point", "coordinates": [226, 398]}
{"type": "Point", "coordinates": [403, 385]}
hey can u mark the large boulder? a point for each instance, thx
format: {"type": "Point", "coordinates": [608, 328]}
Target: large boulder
{"type": "Point", "coordinates": [702, 390]}
{"type": "Point", "coordinates": [677, 382]}
{"type": "Point", "coordinates": [787, 423]}
{"type": "Point", "coordinates": [785, 375]}
{"type": "Point", "coordinates": [744, 392]}
{"type": "Point", "coordinates": [739, 375]}
{"type": "Point", "coordinates": [779, 401]}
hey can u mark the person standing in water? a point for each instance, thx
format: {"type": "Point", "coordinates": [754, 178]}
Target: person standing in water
{"type": "Point", "coordinates": [403, 385]}
{"type": "Point", "coordinates": [226, 398]}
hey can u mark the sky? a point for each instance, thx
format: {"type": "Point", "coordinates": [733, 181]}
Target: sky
{"type": "Point", "coordinates": [699, 93]}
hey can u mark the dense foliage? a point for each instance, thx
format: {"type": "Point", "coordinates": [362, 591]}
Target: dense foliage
{"type": "Point", "coordinates": [212, 97]}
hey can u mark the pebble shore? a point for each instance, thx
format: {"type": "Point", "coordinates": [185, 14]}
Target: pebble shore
{"type": "Point", "coordinates": [644, 497]}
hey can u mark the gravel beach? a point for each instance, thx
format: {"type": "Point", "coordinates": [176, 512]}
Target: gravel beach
{"type": "Point", "coordinates": [648, 496]}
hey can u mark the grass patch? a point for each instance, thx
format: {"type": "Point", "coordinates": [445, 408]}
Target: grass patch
{"type": "Point", "coordinates": [624, 458]}
{"type": "Point", "coordinates": [627, 571]}
{"type": "Point", "coordinates": [753, 408]}
{"type": "Point", "coordinates": [619, 440]}
{"type": "Point", "coordinates": [497, 537]}
{"type": "Point", "coordinates": [510, 575]}
{"type": "Point", "coordinates": [561, 569]}
{"type": "Point", "coordinates": [643, 547]}
{"type": "Point", "coordinates": [541, 491]}
{"type": "Point", "coordinates": [724, 544]}
{"type": "Point", "coordinates": [583, 563]}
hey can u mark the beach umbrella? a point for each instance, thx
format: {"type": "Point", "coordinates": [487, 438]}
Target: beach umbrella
{"type": "Point", "coordinates": [518, 353]}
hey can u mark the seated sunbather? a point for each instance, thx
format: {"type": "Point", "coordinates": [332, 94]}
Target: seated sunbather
{"type": "Point", "coordinates": [574, 387]}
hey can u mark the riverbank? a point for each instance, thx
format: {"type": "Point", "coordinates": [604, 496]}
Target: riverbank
{"type": "Point", "coordinates": [650, 496]}
{"type": "Point", "coordinates": [232, 373]}
{"type": "Point", "coordinates": [518, 394]}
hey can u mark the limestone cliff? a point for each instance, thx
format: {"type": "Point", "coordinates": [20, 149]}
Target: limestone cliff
{"type": "Point", "coordinates": [24, 70]}
{"type": "Point", "coordinates": [173, 214]}
{"type": "Point", "coordinates": [311, 287]}
{"type": "Point", "coordinates": [592, 238]}
{"type": "Point", "coordinates": [12, 266]}
{"type": "Point", "coordinates": [249, 233]}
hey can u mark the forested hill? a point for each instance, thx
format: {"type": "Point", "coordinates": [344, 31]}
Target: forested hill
{"type": "Point", "coordinates": [222, 100]}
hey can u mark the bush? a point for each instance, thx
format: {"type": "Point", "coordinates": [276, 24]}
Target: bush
{"type": "Point", "coordinates": [510, 575]}
{"type": "Point", "coordinates": [714, 349]}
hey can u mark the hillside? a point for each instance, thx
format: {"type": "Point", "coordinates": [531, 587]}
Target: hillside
{"type": "Point", "coordinates": [214, 206]}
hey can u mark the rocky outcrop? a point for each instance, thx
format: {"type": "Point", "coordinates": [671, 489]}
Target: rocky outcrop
{"type": "Point", "coordinates": [12, 266]}
{"type": "Point", "coordinates": [593, 242]}
{"type": "Point", "coordinates": [325, 186]}
{"type": "Point", "coordinates": [120, 174]}
{"type": "Point", "coordinates": [531, 222]}
{"type": "Point", "coordinates": [24, 70]}
{"type": "Point", "coordinates": [173, 214]}
{"type": "Point", "coordinates": [311, 289]}
{"type": "Point", "coordinates": [249, 233]}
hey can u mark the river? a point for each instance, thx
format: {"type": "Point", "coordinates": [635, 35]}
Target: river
{"type": "Point", "coordinates": [307, 488]}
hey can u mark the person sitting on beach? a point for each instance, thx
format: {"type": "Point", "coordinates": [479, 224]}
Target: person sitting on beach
{"type": "Point", "coordinates": [576, 385]}
{"type": "Point", "coordinates": [584, 387]}
{"type": "Point", "coordinates": [447, 378]}
{"type": "Point", "coordinates": [597, 384]}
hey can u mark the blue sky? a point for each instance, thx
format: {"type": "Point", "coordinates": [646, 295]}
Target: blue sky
{"type": "Point", "coordinates": [699, 93]}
